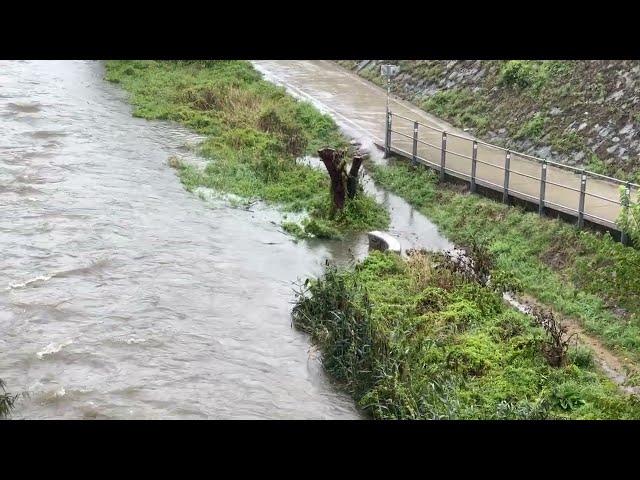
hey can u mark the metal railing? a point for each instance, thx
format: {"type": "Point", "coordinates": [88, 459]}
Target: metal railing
{"type": "Point", "coordinates": [541, 199]}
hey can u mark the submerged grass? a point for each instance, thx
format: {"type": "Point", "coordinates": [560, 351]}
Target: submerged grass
{"type": "Point", "coordinates": [255, 134]}
{"type": "Point", "coordinates": [416, 340]}
{"type": "Point", "coordinates": [582, 274]}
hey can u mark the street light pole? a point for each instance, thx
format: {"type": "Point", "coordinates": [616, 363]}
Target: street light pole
{"type": "Point", "coordinates": [388, 71]}
{"type": "Point", "coordinates": [388, 91]}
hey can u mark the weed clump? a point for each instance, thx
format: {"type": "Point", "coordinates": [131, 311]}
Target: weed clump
{"type": "Point", "coordinates": [175, 162]}
{"type": "Point", "coordinates": [556, 346]}
{"type": "Point", "coordinates": [290, 135]}
{"type": "Point", "coordinates": [581, 356]}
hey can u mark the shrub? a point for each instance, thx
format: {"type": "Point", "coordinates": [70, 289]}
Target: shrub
{"type": "Point", "coordinates": [522, 74]}
{"type": "Point", "coordinates": [581, 356]}
{"type": "Point", "coordinates": [567, 396]}
{"type": "Point", "coordinates": [629, 219]}
{"type": "Point", "coordinates": [557, 344]}
{"type": "Point", "coordinates": [290, 135]}
{"type": "Point", "coordinates": [534, 128]}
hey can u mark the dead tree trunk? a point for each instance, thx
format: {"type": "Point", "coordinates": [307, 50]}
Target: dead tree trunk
{"type": "Point", "coordinates": [335, 163]}
{"type": "Point", "coordinates": [352, 180]}
{"type": "Point", "coordinates": [342, 183]}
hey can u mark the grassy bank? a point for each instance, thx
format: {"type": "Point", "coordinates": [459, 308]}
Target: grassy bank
{"type": "Point", "coordinates": [419, 340]}
{"type": "Point", "coordinates": [581, 274]}
{"type": "Point", "coordinates": [255, 134]}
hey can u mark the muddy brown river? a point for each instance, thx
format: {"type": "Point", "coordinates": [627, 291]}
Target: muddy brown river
{"type": "Point", "coordinates": [124, 296]}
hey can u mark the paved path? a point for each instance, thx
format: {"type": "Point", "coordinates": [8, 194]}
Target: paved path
{"type": "Point", "coordinates": [359, 106]}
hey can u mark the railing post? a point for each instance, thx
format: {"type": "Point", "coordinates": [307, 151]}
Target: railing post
{"type": "Point", "coordinates": [474, 162]}
{"type": "Point", "coordinates": [543, 186]}
{"type": "Point", "coordinates": [624, 237]}
{"type": "Point", "coordinates": [583, 189]}
{"type": "Point", "coordinates": [507, 165]}
{"type": "Point", "coordinates": [415, 143]}
{"type": "Point", "coordinates": [443, 155]}
{"type": "Point", "coordinates": [387, 136]}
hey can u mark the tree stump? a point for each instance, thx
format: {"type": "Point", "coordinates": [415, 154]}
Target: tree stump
{"type": "Point", "coordinates": [352, 179]}
{"type": "Point", "coordinates": [343, 184]}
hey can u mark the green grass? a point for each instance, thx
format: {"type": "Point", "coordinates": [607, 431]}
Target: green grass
{"type": "Point", "coordinates": [581, 274]}
{"type": "Point", "coordinates": [533, 128]}
{"type": "Point", "coordinates": [530, 75]}
{"type": "Point", "coordinates": [414, 340]}
{"type": "Point", "coordinates": [255, 134]}
{"type": "Point", "coordinates": [460, 106]}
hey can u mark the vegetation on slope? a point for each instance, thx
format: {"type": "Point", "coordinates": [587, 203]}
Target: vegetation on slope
{"type": "Point", "coordinates": [255, 134]}
{"type": "Point", "coordinates": [420, 340]}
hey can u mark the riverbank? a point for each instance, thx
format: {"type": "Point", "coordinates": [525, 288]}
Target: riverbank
{"type": "Point", "coordinates": [419, 339]}
{"type": "Point", "coordinates": [255, 134]}
{"type": "Point", "coordinates": [581, 274]}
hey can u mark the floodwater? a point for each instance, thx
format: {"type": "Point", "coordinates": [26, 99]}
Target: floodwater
{"type": "Point", "coordinates": [124, 296]}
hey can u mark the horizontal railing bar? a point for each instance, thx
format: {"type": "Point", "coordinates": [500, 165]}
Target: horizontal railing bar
{"type": "Point", "coordinates": [525, 175]}
{"type": "Point", "coordinates": [548, 202]}
{"type": "Point", "coordinates": [458, 154]}
{"type": "Point", "coordinates": [439, 147]}
{"type": "Point", "coordinates": [501, 167]}
{"type": "Point", "coordinates": [608, 222]}
{"type": "Point", "coordinates": [400, 133]}
{"type": "Point", "coordinates": [462, 137]}
{"type": "Point", "coordinates": [399, 150]}
{"type": "Point", "coordinates": [524, 155]}
{"type": "Point", "coordinates": [563, 186]}
{"type": "Point", "coordinates": [419, 123]}
{"type": "Point", "coordinates": [420, 159]}
{"type": "Point", "coordinates": [451, 170]}
{"type": "Point", "coordinates": [481, 181]}
{"type": "Point", "coordinates": [403, 117]}
{"type": "Point", "coordinates": [617, 202]}
{"type": "Point", "coordinates": [525, 194]}
{"type": "Point", "coordinates": [549, 162]}
{"type": "Point", "coordinates": [616, 180]}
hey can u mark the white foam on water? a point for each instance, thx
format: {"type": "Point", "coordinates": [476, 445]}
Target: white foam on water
{"type": "Point", "coordinates": [59, 393]}
{"type": "Point", "coordinates": [53, 348]}
{"type": "Point", "coordinates": [39, 278]}
{"type": "Point", "coordinates": [97, 263]}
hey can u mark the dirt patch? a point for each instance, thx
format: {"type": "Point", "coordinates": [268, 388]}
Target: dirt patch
{"type": "Point", "coordinates": [557, 256]}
